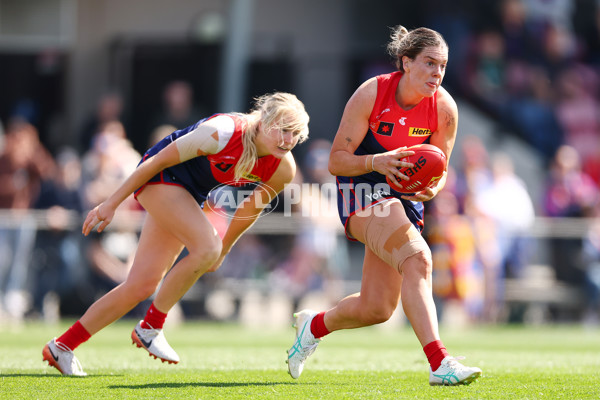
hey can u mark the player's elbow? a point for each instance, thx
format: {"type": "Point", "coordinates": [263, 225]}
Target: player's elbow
{"type": "Point", "coordinates": [331, 168]}
{"type": "Point", "coordinates": [334, 166]}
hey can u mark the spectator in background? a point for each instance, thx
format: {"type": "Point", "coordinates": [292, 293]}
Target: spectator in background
{"type": "Point", "coordinates": [530, 109]}
{"type": "Point", "coordinates": [502, 213]}
{"type": "Point", "coordinates": [474, 176]}
{"type": "Point", "coordinates": [485, 75]}
{"type": "Point", "coordinates": [578, 111]}
{"type": "Point", "coordinates": [559, 50]}
{"type": "Point", "coordinates": [507, 202]}
{"type": "Point", "coordinates": [473, 172]}
{"type": "Point", "coordinates": [569, 193]}
{"type": "Point", "coordinates": [56, 265]}
{"type": "Point", "coordinates": [519, 38]}
{"type": "Point", "coordinates": [106, 165]}
{"type": "Point", "coordinates": [544, 13]}
{"type": "Point", "coordinates": [586, 25]}
{"type": "Point", "coordinates": [109, 108]}
{"type": "Point", "coordinates": [511, 67]}
{"type": "Point", "coordinates": [179, 109]}
{"type": "Point", "coordinates": [591, 165]}
{"type": "Point", "coordinates": [458, 283]}
{"type": "Point", "coordinates": [24, 163]}
{"type": "Point", "coordinates": [591, 259]}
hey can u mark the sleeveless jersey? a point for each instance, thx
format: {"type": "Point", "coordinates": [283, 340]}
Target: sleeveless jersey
{"type": "Point", "coordinates": [201, 174]}
{"type": "Point", "coordinates": [390, 127]}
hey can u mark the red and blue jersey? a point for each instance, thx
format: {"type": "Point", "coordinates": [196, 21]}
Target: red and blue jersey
{"type": "Point", "coordinates": [390, 127]}
{"type": "Point", "coordinates": [201, 174]}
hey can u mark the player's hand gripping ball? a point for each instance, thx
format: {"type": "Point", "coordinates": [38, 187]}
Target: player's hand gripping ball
{"type": "Point", "coordinates": [429, 164]}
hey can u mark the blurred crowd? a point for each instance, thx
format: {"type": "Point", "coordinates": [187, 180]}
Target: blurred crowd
{"type": "Point", "coordinates": [534, 66]}
{"type": "Point", "coordinates": [531, 65]}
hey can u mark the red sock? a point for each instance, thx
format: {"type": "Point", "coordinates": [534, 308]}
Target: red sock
{"type": "Point", "coordinates": [74, 336]}
{"type": "Point", "coordinates": [154, 318]}
{"type": "Point", "coordinates": [435, 352]}
{"type": "Point", "coordinates": [317, 326]}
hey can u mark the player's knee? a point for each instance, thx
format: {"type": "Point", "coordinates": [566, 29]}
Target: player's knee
{"type": "Point", "coordinates": [415, 251]}
{"type": "Point", "coordinates": [419, 264]}
{"type": "Point", "coordinates": [141, 290]}
{"type": "Point", "coordinates": [378, 309]}
{"type": "Point", "coordinates": [379, 314]}
{"type": "Point", "coordinates": [205, 255]}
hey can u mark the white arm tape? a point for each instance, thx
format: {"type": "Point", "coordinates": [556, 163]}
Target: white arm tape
{"type": "Point", "coordinates": [209, 137]}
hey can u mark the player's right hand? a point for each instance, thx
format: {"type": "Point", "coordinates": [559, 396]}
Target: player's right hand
{"type": "Point", "coordinates": [390, 163]}
{"type": "Point", "coordinates": [99, 215]}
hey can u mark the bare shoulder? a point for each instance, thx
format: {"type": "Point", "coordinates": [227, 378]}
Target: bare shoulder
{"type": "Point", "coordinates": [447, 109]}
{"type": "Point", "coordinates": [364, 96]}
{"type": "Point", "coordinates": [446, 102]}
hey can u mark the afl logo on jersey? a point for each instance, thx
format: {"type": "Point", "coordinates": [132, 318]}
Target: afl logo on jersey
{"type": "Point", "coordinates": [418, 131]}
{"type": "Point", "coordinates": [385, 128]}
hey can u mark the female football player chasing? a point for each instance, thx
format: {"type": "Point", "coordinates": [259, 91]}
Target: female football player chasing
{"type": "Point", "coordinates": [171, 183]}
{"type": "Point", "coordinates": [385, 115]}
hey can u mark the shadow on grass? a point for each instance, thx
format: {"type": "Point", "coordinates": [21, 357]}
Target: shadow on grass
{"type": "Point", "coordinates": [174, 385]}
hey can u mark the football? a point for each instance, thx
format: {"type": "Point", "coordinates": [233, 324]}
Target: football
{"type": "Point", "coordinates": [429, 164]}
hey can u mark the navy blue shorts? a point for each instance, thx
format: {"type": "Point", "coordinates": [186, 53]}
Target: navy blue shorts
{"type": "Point", "coordinates": [178, 175]}
{"type": "Point", "coordinates": [359, 192]}
{"type": "Point", "coordinates": [166, 178]}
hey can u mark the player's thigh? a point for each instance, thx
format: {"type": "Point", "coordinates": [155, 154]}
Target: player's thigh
{"type": "Point", "coordinates": [176, 211]}
{"type": "Point", "coordinates": [381, 284]}
{"type": "Point", "coordinates": [156, 253]}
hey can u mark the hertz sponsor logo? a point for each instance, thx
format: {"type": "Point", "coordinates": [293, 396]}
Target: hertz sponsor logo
{"type": "Point", "coordinates": [413, 131]}
{"type": "Point", "coordinates": [252, 177]}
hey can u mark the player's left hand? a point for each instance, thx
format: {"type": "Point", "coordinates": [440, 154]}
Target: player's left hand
{"type": "Point", "coordinates": [428, 193]}
{"type": "Point", "coordinates": [423, 195]}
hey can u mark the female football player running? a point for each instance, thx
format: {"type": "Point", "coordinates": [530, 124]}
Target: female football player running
{"type": "Point", "coordinates": [386, 114]}
{"type": "Point", "coordinates": [171, 182]}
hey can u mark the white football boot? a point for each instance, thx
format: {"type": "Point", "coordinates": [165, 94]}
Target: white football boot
{"type": "Point", "coordinates": [304, 345]}
{"type": "Point", "coordinates": [62, 358]}
{"type": "Point", "coordinates": [451, 372]}
{"type": "Point", "coordinates": [154, 341]}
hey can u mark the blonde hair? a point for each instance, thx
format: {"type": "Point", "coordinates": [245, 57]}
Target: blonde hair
{"type": "Point", "coordinates": [276, 110]}
{"type": "Point", "coordinates": [411, 43]}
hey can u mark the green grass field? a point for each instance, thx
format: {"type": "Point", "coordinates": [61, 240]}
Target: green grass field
{"type": "Point", "coordinates": [224, 361]}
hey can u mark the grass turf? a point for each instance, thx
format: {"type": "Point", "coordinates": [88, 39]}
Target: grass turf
{"type": "Point", "coordinates": [225, 361]}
